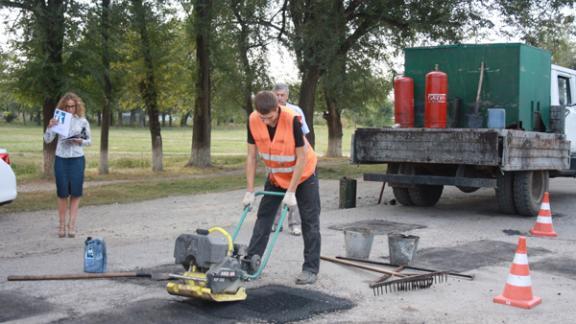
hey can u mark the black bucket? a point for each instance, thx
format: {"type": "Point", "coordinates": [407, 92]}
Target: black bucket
{"type": "Point", "coordinates": [347, 193]}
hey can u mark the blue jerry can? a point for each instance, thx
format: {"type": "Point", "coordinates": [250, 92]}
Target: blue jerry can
{"type": "Point", "coordinates": [95, 255]}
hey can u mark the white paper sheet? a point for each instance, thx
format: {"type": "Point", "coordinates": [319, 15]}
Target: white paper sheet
{"type": "Point", "coordinates": [63, 126]}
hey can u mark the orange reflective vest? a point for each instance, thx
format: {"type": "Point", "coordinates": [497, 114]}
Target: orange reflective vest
{"type": "Point", "coordinates": [279, 155]}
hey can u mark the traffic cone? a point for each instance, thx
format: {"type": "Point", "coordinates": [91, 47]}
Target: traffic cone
{"type": "Point", "coordinates": [518, 289]}
{"type": "Point", "coordinates": [543, 226]}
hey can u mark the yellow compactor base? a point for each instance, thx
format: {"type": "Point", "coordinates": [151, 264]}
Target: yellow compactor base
{"type": "Point", "coordinates": [198, 289]}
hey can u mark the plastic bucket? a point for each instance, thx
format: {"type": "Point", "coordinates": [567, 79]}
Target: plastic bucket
{"type": "Point", "coordinates": [496, 118]}
{"type": "Point", "coordinates": [358, 243]}
{"type": "Point", "coordinates": [402, 248]}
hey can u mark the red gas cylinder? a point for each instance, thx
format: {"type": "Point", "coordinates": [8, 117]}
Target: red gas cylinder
{"type": "Point", "coordinates": [435, 101]}
{"type": "Point", "coordinates": [404, 101]}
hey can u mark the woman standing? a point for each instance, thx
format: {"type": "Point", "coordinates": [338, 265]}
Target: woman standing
{"type": "Point", "coordinates": [69, 162]}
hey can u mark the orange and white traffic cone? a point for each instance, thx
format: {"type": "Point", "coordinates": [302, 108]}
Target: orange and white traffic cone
{"type": "Point", "coordinates": [518, 289]}
{"type": "Point", "coordinates": [543, 226]}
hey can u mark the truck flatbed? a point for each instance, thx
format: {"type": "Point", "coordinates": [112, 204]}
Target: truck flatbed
{"type": "Point", "coordinates": [510, 150]}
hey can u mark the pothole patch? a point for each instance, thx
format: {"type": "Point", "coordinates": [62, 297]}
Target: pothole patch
{"type": "Point", "coordinates": [471, 255]}
{"type": "Point", "coordinates": [268, 304]}
{"type": "Point", "coordinates": [377, 226]}
{"type": "Point", "coordinates": [18, 306]}
{"type": "Point", "coordinates": [565, 267]}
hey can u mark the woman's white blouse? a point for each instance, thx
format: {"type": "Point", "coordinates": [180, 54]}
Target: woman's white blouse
{"type": "Point", "coordinates": [69, 149]}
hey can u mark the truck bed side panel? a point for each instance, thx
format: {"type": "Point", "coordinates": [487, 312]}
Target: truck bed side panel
{"type": "Point", "coordinates": [534, 151]}
{"type": "Point", "coordinates": [419, 145]}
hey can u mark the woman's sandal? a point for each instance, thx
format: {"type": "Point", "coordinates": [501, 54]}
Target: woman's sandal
{"type": "Point", "coordinates": [62, 231]}
{"type": "Point", "coordinates": [71, 231]}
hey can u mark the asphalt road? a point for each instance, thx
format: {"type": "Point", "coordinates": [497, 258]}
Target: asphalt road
{"type": "Point", "coordinates": [464, 232]}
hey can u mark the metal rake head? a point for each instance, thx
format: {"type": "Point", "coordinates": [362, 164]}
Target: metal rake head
{"type": "Point", "coordinates": [409, 283]}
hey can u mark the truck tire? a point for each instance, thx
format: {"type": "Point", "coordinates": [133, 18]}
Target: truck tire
{"type": "Point", "coordinates": [529, 188]}
{"type": "Point", "coordinates": [505, 194]}
{"type": "Point", "coordinates": [468, 189]}
{"type": "Point", "coordinates": [402, 196]}
{"type": "Point", "coordinates": [425, 195]}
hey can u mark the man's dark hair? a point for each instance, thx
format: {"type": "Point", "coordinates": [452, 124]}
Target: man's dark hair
{"type": "Point", "coordinates": [265, 102]}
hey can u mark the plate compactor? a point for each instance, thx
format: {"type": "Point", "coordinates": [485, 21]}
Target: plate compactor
{"type": "Point", "coordinates": [216, 266]}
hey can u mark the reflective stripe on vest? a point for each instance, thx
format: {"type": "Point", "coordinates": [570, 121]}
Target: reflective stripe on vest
{"type": "Point", "coordinates": [277, 158]}
{"type": "Point", "coordinates": [279, 170]}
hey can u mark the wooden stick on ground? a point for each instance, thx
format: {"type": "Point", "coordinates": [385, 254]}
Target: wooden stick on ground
{"type": "Point", "coordinates": [81, 276]}
{"type": "Point", "coordinates": [365, 267]}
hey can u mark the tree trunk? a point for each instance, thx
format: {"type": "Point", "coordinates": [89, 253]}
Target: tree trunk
{"type": "Point", "coordinates": [202, 110]}
{"type": "Point", "coordinates": [244, 49]}
{"type": "Point", "coordinates": [184, 119]}
{"type": "Point", "coordinates": [50, 29]}
{"type": "Point", "coordinates": [332, 116]}
{"type": "Point", "coordinates": [148, 88]}
{"type": "Point", "coordinates": [310, 79]}
{"type": "Point", "coordinates": [106, 108]}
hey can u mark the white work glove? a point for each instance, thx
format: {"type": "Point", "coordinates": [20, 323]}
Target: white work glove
{"type": "Point", "coordinates": [290, 200]}
{"type": "Point", "coordinates": [248, 199]}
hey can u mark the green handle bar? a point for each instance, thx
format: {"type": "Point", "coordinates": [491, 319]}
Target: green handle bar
{"type": "Point", "coordinates": [270, 246]}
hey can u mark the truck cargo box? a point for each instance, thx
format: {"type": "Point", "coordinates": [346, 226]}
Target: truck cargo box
{"type": "Point", "coordinates": [516, 77]}
{"type": "Point", "coordinates": [510, 150]}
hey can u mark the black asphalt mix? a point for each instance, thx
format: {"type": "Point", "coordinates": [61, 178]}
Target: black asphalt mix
{"type": "Point", "coordinates": [471, 255]}
{"type": "Point", "coordinates": [269, 304]}
{"type": "Point", "coordinates": [16, 306]}
{"type": "Point", "coordinates": [377, 226]}
{"type": "Point", "coordinates": [562, 266]}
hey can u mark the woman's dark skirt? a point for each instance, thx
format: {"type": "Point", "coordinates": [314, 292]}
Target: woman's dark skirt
{"type": "Point", "coordinates": [69, 173]}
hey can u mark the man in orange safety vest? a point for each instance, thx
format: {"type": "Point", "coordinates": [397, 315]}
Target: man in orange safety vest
{"type": "Point", "coordinates": [275, 134]}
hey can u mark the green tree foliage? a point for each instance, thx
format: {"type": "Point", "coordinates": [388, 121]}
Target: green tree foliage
{"type": "Point", "coordinates": [41, 65]}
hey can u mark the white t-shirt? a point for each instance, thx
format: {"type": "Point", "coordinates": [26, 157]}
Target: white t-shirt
{"type": "Point", "coordinates": [299, 112]}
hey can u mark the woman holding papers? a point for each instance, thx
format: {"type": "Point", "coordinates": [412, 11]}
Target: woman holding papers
{"type": "Point", "coordinates": [69, 162]}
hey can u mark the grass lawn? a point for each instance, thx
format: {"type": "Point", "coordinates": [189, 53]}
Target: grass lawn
{"type": "Point", "coordinates": [129, 159]}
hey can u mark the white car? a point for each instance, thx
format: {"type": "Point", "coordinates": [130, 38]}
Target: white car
{"type": "Point", "coordinates": [7, 179]}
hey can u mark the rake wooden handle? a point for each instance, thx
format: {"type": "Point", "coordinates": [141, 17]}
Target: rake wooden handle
{"type": "Point", "coordinates": [453, 274]}
{"type": "Point", "coordinates": [365, 267]}
{"type": "Point", "coordinates": [80, 276]}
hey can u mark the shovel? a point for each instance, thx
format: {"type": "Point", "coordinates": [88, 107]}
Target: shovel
{"type": "Point", "coordinates": [81, 276]}
{"type": "Point", "coordinates": [475, 119]}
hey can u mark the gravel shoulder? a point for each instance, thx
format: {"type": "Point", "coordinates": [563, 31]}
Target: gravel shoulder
{"type": "Point", "coordinates": [142, 235]}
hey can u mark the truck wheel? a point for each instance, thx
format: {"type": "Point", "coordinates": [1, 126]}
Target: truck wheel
{"type": "Point", "coordinates": [402, 196]}
{"type": "Point", "coordinates": [467, 189]}
{"type": "Point", "coordinates": [425, 195]}
{"type": "Point", "coordinates": [505, 194]}
{"type": "Point", "coordinates": [529, 188]}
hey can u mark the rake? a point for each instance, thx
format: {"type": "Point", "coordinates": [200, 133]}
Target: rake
{"type": "Point", "coordinates": [411, 282]}
{"type": "Point", "coordinates": [405, 283]}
